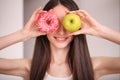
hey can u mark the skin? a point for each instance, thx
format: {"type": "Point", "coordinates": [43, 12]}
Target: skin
{"type": "Point", "coordinates": [59, 42]}
{"type": "Point", "coordinates": [92, 27]}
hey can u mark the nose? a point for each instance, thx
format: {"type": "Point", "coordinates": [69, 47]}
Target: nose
{"type": "Point", "coordinates": [61, 30]}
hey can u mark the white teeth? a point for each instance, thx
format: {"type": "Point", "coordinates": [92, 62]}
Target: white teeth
{"type": "Point", "coordinates": [61, 39]}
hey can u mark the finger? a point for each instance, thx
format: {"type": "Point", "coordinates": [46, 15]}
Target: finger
{"type": "Point", "coordinates": [67, 11]}
{"type": "Point", "coordinates": [83, 12]}
{"type": "Point", "coordinates": [37, 11]}
{"type": "Point", "coordinates": [40, 33]}
{"type": "Point", "coordinates": [35, 14]}
{"type": "Point", "coordinates": [86, 15]}
{"type": "Point", "coordinates": [76, 33]}
{"type": "Point", "coordinates": [72, 12]}
{"type": "Point", "coordinates": [36, 27]}
{"type": "Point", "coordinates": [80, 14]}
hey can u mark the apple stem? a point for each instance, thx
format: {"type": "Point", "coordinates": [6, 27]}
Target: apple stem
{"type": "Point", "coordinates": [71, 21]}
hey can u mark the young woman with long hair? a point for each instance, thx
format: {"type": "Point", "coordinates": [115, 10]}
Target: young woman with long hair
{"type": "Point", "coordinates": [77, 54]}
{"type": "Point", "coordinates": [61, 55]}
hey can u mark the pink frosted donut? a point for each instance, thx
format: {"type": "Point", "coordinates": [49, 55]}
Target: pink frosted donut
{"type": "Point", "coordinates": [47, 22]}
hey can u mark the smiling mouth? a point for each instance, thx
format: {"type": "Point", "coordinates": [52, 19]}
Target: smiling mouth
{"type": "Point", "coordinates": [61, 39]}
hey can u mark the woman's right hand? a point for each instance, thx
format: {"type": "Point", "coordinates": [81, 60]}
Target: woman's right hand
{"type": "Point", "coordinates": [30, 29]}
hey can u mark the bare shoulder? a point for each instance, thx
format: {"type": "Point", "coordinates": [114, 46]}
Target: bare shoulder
{"type": "Point", "coordinates": [16, 67]}
{"type": "Point", "coordinates": [27, 63]}
{"type": "Point", "coordinates": [102, 61]}
{"type": "Point", "coordinates": [96, 62]}
{"type": "Point", "coordinates": [104, 65]}
{"type": "Point", "coordinates": [25, 67]}
{"type": "Point", "coordinates": [98, 67]}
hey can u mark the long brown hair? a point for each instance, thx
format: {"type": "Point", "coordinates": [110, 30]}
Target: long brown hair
{"type": "Point", "coordinates": [78, 57]}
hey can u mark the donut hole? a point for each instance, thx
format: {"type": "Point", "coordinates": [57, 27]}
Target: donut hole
{"type": "Point", "coordinates": [48, 22]}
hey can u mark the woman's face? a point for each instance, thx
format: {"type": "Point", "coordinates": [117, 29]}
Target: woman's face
{"type": "Point", "coordinates": [60, 38]}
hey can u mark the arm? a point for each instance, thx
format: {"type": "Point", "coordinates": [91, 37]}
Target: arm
{"type": "Point", "coordinates": [29, 31]}
{"type": "Point", "coordinates": [16, 67]}
{"type": "Point", "coordinates": [12, 38]}
{"type": "Point", "coordinates": [106, 65]}
{"type": "Point", "coordinates": [109, 34]}
{"type": "Point", "coordinates": [92, 27]}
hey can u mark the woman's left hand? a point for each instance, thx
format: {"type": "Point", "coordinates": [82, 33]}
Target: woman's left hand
{"type": "Point", "coordinates": [89, 25]}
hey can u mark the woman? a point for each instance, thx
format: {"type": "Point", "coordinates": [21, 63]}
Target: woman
{"type": "Point", "coordinates": [60, 55]}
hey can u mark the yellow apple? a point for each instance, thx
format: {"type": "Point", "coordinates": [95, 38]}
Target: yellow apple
{"type": "Point", "coordinates": [71, 22]}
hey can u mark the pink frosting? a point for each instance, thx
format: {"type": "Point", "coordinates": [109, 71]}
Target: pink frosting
{"type": "Point", "coordinates": [47, 22]}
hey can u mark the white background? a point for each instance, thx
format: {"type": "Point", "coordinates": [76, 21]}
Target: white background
{"type": "Point", "coordinates": [14, 12]}
{"type": "Point", "coordinates": [11, 20]}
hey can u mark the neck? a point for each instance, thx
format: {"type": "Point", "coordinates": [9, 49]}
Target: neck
{"type": "Point", "coordinates": [59, 55]}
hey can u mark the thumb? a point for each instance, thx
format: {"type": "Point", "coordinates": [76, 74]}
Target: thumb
{"type": "Point", "coordinates": [77, 33]}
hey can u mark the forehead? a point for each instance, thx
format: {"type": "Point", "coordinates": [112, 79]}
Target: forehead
{"type": "Point", "coordinates": [60, 10]}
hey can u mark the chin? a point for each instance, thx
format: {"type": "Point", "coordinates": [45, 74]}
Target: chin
{"type": "Point", "coordinates": [62, 46]}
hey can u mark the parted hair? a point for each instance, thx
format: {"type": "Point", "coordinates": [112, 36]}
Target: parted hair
{"type": "Point", "coordinates": [78, 56]}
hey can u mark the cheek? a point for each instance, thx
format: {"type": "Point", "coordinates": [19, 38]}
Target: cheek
{"type": "Point", "coordinates": [70, 38]}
